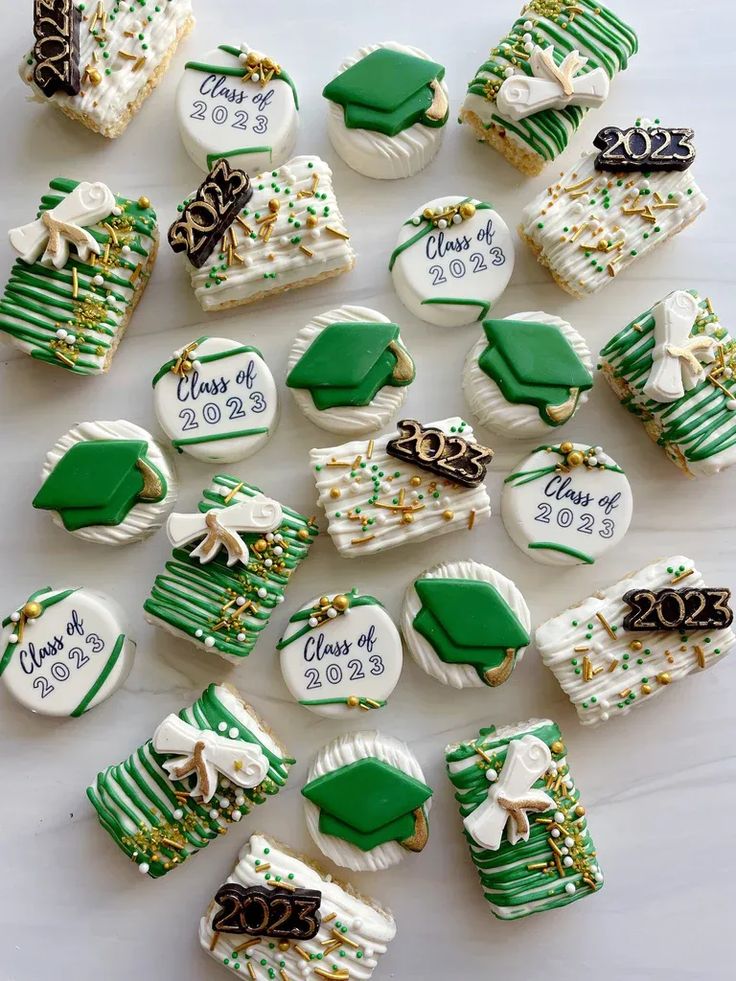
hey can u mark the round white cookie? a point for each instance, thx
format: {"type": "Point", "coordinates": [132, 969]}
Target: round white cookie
{"type": "Point", "coordinates": [341, 653]}
{"type": "Point", "coordinates": [65, 651]}
{"type": "Point", "coordinates": [216, 400]}
{"type": "Point", "coordinates": [237, 103]}
{"type": "Point", "coordinates": [338, 367]}
{"type": "Point", "coordinates": [489, 626]}
{"type": "Point", "coordinates": [352, 748]}
{"type": "Point", "coordinates": [378, 155]}
{"type": "Point", "coordinates": [521, 420]}
{"type": "Point", "coordinates": [96, 487]}
{"type": "Point", "coordinates": [453, 259]}
{"type": "Point", "coordinates": [567, 504]}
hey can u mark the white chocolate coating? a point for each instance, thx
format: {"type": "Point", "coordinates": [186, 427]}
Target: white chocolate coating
{"type": "Point", "coordinates": [221, 398]}
{"type": "Point", "coordinates": [347, 420]}
{"type": "Point", "coordinates": [221, 114]}
{"type": "Point", "coordinates": [486, 401]}
{"type": "Point", "coordinates": [457, 675]}
{"type": "Point", "coordinates": [375, 154]}
{"type": "Point", "coordinates": [350, 748]}
{"type": "Point", "coordinates": [469, 264]}
{"type": "Point", "coordinates": [143, 518]}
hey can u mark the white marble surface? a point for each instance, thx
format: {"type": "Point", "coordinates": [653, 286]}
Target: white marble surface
{"type": "Point", "coordinates": [659, 784]}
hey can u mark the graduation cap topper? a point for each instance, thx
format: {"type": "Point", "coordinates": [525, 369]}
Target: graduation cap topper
{"type": "Point", "coordinates": [388, 91]}
{"type": "Point", "coordinates": [467, 621]}
{"type": "Point", "coordinates": [535, 364]}
{"type": "Point", "coordinates": [98, 482]}
{"type": "Point", "coordinates": [369, 803]}
{"type": "Point", "coordinates": [349, 363]}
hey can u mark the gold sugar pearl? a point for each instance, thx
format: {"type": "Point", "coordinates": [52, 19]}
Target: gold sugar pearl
{"type": "Point", "coordinates": [261, 545]}
{"type": "Point", "coordinates": [664, 678]}
{"type": "Point", "coordinates": [467, 210]}
{"type": "Point", "coordinates": [566, 448]}
{"type": "Point", "coordinates": [284, 946]}
{"type": "Point", "coordinates": [558, 746]}
{"type": "Point", "coordinates": [636, 645]}
{"type": "Point", "coordinates": [273, 205]}
{"type": "Point", "coordinates": [428, 213]}
{"type": "Point", "coordinates": [335, 492]}
{"type": "Point", "coordinates": [353, 701]}
{"type": "Point", "coordinates": [324, 601]}
{"type": "Point", "coordinates": [32, 609]}
{"type": "Point", "coordinates": [341, 602]}
{"type": "Point", "coordinates": [416, 481]}
{"type": "Point", "coordinates": [303, 534]}
{"type": "Point", "coordinates": [312, 221]}
{"type": "Point", "coordinates": [144, 202]}
{"type": "Point", "coordinates": [575, 458]}
{"type": "Point", "coordinates": [579, 811]}
{"type": "Point", "coordinates": [646, 690]}
{"type": "Point", "coordinates": [408, 519]}
{"type": "Point", "coordinates": [186, 366]}
{"type": "Point", "coordinates": [448, 515]}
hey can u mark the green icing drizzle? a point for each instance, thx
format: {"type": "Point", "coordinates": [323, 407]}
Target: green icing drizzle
{"type": "Point", "coordinates": [212, 158]}
{"type": "Point", "coordinates": [178, 443]}
{"type": "Point", "coordinates": [136, 803]}
{"type": "Point", "coordinates": [362, 702]}
{"type": "Point", "coordinates": [566, 549]}
{"type": "Point", "coordinates": [101, 678]}
{"type": "Point", "coordinates": [483, 305]}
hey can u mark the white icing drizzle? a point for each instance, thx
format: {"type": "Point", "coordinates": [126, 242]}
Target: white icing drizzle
{"type": "Point", "coordinates": [350, 748]}
{"type": "Point", "coordinates": [456, 507]}
{"type": "Point", "coordinates": [111, 99]}
{"type": "Point", "coordinates": [546, 217]}
{"type": "Point", "coordinates": [602, 697]}
{"type": "Point", "coordinates": [457, 675]}
{"type": "Point", "coordinates": [331, 253]}
{"type": "Point", "coordinates": [347, 420]}
{"type": "Point", "coordinates": [143, 518]}
{"type": "Point", "coordinates": [376, 154]}
{"type": "Point", "coordinates": [369, 926]}
{"type": "Point", "coordinates": [486, 400]}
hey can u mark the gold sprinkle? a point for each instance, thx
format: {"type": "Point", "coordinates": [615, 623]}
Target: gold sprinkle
{"type": "Point", "coordinates": [306, 251]}
{"type": "Point", "coordinates": [606, 625]}
{"type": "Point", "coordinates": [247, 944]}
{"type": "Point", "coordinates": [581, 650]}
{"type": "Point", "coordinates": [128, 56]}
{"type": "Point", "coordinates": [369, 451]}
{"type": "Point", "coordinates": [75, 283]}
{"type": "Point", "coordinates": [587, 668]}
{"type": "Point", "coordinates": [251, 970]}
{"type": "Point", "coordinates": [536, 865]}
{"type": "Point", "coordinates": [264, 868]}
{"type": "Point", "coordinates": [579, 185]}
{"type": "Point", "coordinates": [683, 575]}
{"type": "Point", "coordinates": [613, 665]}
{"type": "Point", "coordinates": [281, 885]}
{"type": "Point", "coordinates": [64, 358]}
{"type": "Point", "coordinates": [625, 693]}
{"type": "Point", "coordinates": [338, 234]}
{"type": "Point", "coordinates": [483, 755]}
{"type": "Point", "coordinates": [302, 952]}
{"type": "Point", "coordinates": [362, 541]}
{"type": "Point", "coordinates": [244, 223]}
{"type": "Point", "coordinates": [700, 654]}
{"type": "Point", "coordinates": [345, 940]}
{"type": "Point", "coordinates": [284, 975]}
{"type": "Point", "coordinates": [471, 519]}
{"type": "Point", "coordinates": [232, 493]}
{"type": "Point", "coordinates": [170, 843]}
{"type": "Point", "coordinates": [213, 942]}
{"type": "Point", "coordinates": [664, 678]}
{"type": "Point", "coordinates": [554, 846]}
{"type": "Point", "coordinates": [341, 975]}
{"type": "Point", "coordinates": [329, 918]}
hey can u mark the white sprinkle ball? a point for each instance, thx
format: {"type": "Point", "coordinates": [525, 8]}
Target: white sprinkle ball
{"type": "Point", "coordinates": [209, 642]}
{"type": "Point", "coordinates": [240, 600]}
{"type": "Point", "coordinates": [71, 339]}
{"type": "Point", "coordinates": [567, 861]}
{"type": "Point", "coordinates": [61, 333]}
{"type": "Point", "coordinates": [241, 636]}
{"type": "Point", "coordinates": [269, 536]}
{"type": "Point", "coordinates": [731, 405]}
{"type": "Point", "coordinates": [569, 842]}
{"type": "Point", "coordinates": [214, 814]}
{"type": "Point", "coordinates": [280, 599]}
{"type": "Point", "coordinates": [332, 613]}
{"type": "Point", "coordinates": [570, 888]}
{"type": "Point", "coordinates": [529, 47]}
{"type": "Point", "coordinates": [456, 219]}
{"type": "Point", "coordinates": [268, 563]}
{"type": "Point", "coordinates": [197, 365]}
{"type": "Point", "coordinates": [509, 71]}
{"type": "Point", "coordinates": [256, 77]}
{"type": "Point", "coordinates": [117, 211]}
{"type": "Point", "coordinates": [222, 726]}
{"type": "Point", "coordinates": [416, 220]}
{"type": "Point", "coordinates": [527, 37]}
{"type": "Point", "coordinates": [491, 774]}
{"type": "Point", "coordinates": [528, 25]}
{"type": "Point", "coordinates": [592, 461]}
{"type": "Point", "coordinates": [240, 800]}
{"type": "Point", "coordinates": [236, 815]}
{"type": "Point", "coordinates": [98, 280]}
{"type": "Point", "coordinates": [356, 923]}
{"type": "Point", "coordinates": [278, 538]}
{"type": "Point", "coordinates": [262, 592]}
{"type": "Point", "coordinates": [559, 817]}
{"type": "Point", "coordinates": [555, 832]}
{"type": "Point", "coordinates": [278, 550]}
{"type": "Point", "coordinates": [598, 877]}
{"type": "Point", "coordinates": [143, 868]}
{"type": "Point", "coordinates": [565, 851]}
{"type": "Point", "coordinates": [233, 732]}
{"type": "Point", "coordinates": [13, 638]}
{"type": "Point", "coordinates": [442, 223]}
{"type": "Point", "coordinates": [313, 621]}
{"type": "Point", "coordinates": [15, 617]}
{"type": "Point", "coordinates": [224, 802]}
{"type": "Point", "coordinates": [178, 814]}
{"type": "Point", "coordinates": [125, 250]}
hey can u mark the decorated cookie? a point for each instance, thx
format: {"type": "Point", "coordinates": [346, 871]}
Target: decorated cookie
{"type": "Point", "coordinates": [232, 561]}
{"type": "Point", "coordinates": [465, 624]}
{"type": "Point", "coordinates": [280, 912]}
{"type": "Point", "coordinates": [81, 268]}
{"type": "Point", "coordinates": [65, 651]}
{"type": "Point", "coordinates": [277, 231]}
{"type": "Point", "coordinates": [525, 826]}
{"type": "Point", "coordinates": [366, 802]}
{"type": "Point", "coordinates": [527, 374]}
{"type": "Point", "coordinates": [201, 772]}
{"type": "Point", "coordinates": [530, 96]}
{"type": "Point", "coordinates": [97, 62]}
{"type": "Point", "coordinates": [567, 504]}
{"type": "Point", "coordinates": [341, 653]}
{"type": "Point", "coordinates": [453, 260]}
{"type": "Point", "coordinates": [591, 224]}
{"type": "Point", "coordinates": [107, 482]}
{"type": "Point", "coordinates": [413, 484]}
{"type": "Point", "coordinates": [216, 399]}
{"type": "Point", "coordinates": [673, 368]}
{"type": "Point", "coordinates": [388, 108]}
{"type": "Point", "coordinates": [622, 646]}
{"type": "Point", "coordinates": [237, 103]}
{"type": "Point", "coordinates": [349, 369]}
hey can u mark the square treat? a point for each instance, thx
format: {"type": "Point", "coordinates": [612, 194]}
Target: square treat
{"type": "Point", "coordinates": [525, 825]}
{"type": "Point", "coordinates": [526, 109]}
{"type": "Point", "coordinates": [289, 233]}
{"type": "Point", "coordinates": [231, 564]}
{"type": "Point", "coordinates": [72, 293]}
{"type": "Point", "coordinates": [201, 771]}
{"type": "Point", "coordinates": [590, 224]}
{"type": "Point", "coordinates": [331, 931]}
{"type": "Point", "coordinates": [114, 54]}
{"type": "Point", "coordinates": [375, 500]}
{"type": "Point", "coordinates": [611, 655]}
{"type": "Point", "coordinates": [689, 411]}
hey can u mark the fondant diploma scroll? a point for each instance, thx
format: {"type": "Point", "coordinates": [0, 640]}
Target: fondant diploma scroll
{"type": "Point", "coordinates": [56, 51]}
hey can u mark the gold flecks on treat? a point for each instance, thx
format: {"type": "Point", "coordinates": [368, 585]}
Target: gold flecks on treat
{"type": "Point", "coordinates": [613, 665]}
{"type": "Point", "coordinates": [337, 232]}
{"type": "Point", "coordinates": [231, 494]}
{"type": "Point", "coordinates": [606, 625]}
{"type": "Point", "coordinates": [646, 690]}
{"type": "Point", "coordinates": [700, 655]}
{"type": "Point", "coordinates": [369, 451]}
{"type": "Point", "coordinates": [247, 945]}
{"type": "Point", "coordinates": [664, 678]}
{"type": "Point", "coordinates": [471, 519]}
{"type": "Point", "coordinates": [302, 952]}
{"type": "Point", "coordinates": [252, 971]}
{"type": "Point", "coordinates": [310, 192]}
{"type": "Point", "coordinates": [307, 252]}
{"type": "Point", "coordinates": [259, 68]}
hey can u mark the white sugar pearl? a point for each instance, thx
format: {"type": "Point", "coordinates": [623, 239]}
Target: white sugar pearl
{"type": "Point", "coordinates": [731, 405]}
{"type": "Point", "coordinates": [269, 537]}
{"type": "Point", "coordinates": [456, 219]}
{"type": "Point", "coordinates": [528, 25]}
{"type": "Point", "coordinates": [61, 333]}
{"type": "Point", "coordinates": [262, 593]}
{"type": "Point", "coordinates": [98, 280]}
{"type": "Point", "coordinates": [592, 461]}
{"type": "Point", "coordinates": [236, 815]}
{"type": "Point", "coordinates": [268, 563]}
{"type": "Point", "coordinates": [567, 861]}
{"type": "Point", "coordinates": [278, 538]}
{"type": "Point", "coordinates": [222, 726]}
{"type": "Point", "coordinates": [529, 47]}
{"type": "Point", "coordinates": [728, 372]}
{"type": "Point", "coordinates": [242, 57]}
{"type": "Point", "coordinates": [110, 300]}
{"type": "Point", "coordinates": [368, 951]}
{"type": "Point", "coordinates": [240, 600]}
{"type": "Point", "coordinates": [313, 621]}
{"type": "Point", "coordinates": [555, 832]}
{"type": "Point", "coordinates": [15, 617]}
{"type": "Point", "coordinates": [605, 716]}
{"type": "Point", "coordinates": [71, 339]}
{"type": "Point", "coordinates": [178, 814]}
{"type": "Point", "coordinates": [416, 220]}
{"type": "Point", "coordinates": [240, 800]}
{"type": "Point", "coordinates": [117, 211]}
{"type": "Point", "coordinates": [278, 550]}
{"type": "Point", "coordinates": [569, 842]}
{"type": "Point", "coordinates": [233, 732]}
{"type": "Point", "coordinates": [565, 851]}
{"type": "Point", "coordinates": [442, 223]}
{"type": "Point", "coordinates": [256, 77]}
{"type": "Point", "coordinates": [209, 642]}
{"type": "Point", "coordinates": [241, 637]}
{"type": "Point", "coordinates": [197, 365]}
{"type": "Point", "coordinates": [13, 638]}
{"type": "Point", "coordinates": [125, 250]}
{"type": "Point", "coordinates": [527, 37]}
{"type": "Point", "coordinates": [570, 888]}
{"type": "Point", "coordinates": [569, 783]}
{"type": "Point", "coordinates": [491, 774]}
{"type": "Point", "coordinates": [598, 877]}
{"type": "Point", "coordinates": [143, 868]}
{"type": "Point", "coordinates": [559, 817]}
{"type": "Point", "coordinates": [598, 450]}
{"type": "Point", "coordinates": [214, 814]}
{"type": "Point", "coordinates": [279, 599]}
{"type": "Point", "coordinates": [332, 613]}
{"type": "Point", "coordinates": [224, 802]}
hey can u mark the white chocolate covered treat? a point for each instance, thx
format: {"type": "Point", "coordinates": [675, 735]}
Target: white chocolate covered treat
{"type": "Point", "coordinates": [216, 399]}
{"type": "Point", "coordinates": [567, 504]}
{"type": "Point", "coordinates": [622, 646]}
{"type": "Point", "coordinates": [366, 802]}
{"type": "Point", "coordinates": [237, 103]}
{"type": "Point", "coordinates": [388, 109]}
{"type": "Point", "coordinates": [107, 482]}
{"type": "Point", "coordinates": [527, 374]}
{"type": "Point", "coordinates": [453, 259]}
{"type": "Point", "coordinates": [349, 370]}
{"type": "Point", "coordinates": [65, 651]}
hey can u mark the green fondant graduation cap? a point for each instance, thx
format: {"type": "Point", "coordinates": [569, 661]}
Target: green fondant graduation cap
{"type": "Point", "coordinates": [535, 364]}
{"type": "Point", "coordinates": [97, 482]}
{"type": "Point", "coordinates": [369, 803]}
{"type": "Point", "coordinates": [388, 91]}
{"type": "Point", "coordinates": [467, 621]}
{"type": "Point", "coordinates": [347, 364]}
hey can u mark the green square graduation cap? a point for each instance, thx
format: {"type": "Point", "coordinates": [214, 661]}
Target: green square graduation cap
{"type": "Point", "coordinates": [388, 91]}
{"type": "Point", "coordinates": [535, 364]}
{"type": "Point", "coordinates": [347, 364]}
{"type": "Point", "coordinates": [97, 482]}
{"type": "Point", "coordinates": [369, 803]}
{"type": "Point", "coordinates": [467, 621]}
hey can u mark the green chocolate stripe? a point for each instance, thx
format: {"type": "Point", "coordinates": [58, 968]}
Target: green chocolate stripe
{"type": "Point", "coordinates": [484, 305]}
{"type": "Point", "coordinates": [565, 549]}
{"type": "Point", "coordinates": [212, 158]}
{"type": "Point", "coordinates": [239, 434]}
{"type": "Point", "coordinates": [102, 677]}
